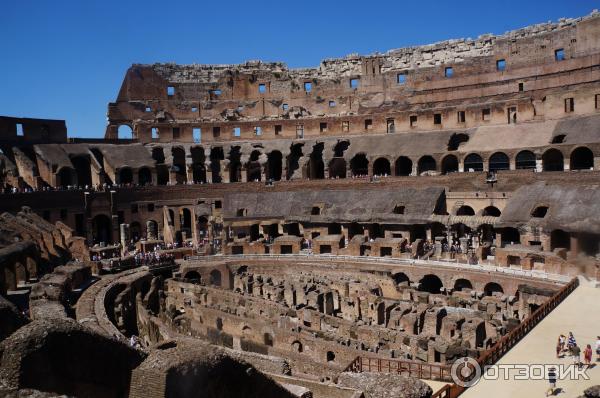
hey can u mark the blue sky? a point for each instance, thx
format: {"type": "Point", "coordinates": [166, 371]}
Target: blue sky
{"type": "Point", "coordinates": [65, 59]}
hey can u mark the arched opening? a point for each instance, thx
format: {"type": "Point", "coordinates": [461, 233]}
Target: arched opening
{"type": "Point", "coordinates": [253, 167]}
{"type": "Point", "coordinates": [124, 132]}
{"type": "Point", "coordinates": [198, 167]}
{"type": "Point", "coordinates": [235, 164]}
{"type": "Point", "coordinates": [560, 239]}
{"type": "Point", "coordinates": [510, 236]}
{"type": "Point", "coordinates": [216, 155]}
{"type": "Point", "coordinates": [158, 155]}
{"type": "Point", "coordinates": [65, 177]}
{"type": "Point", "coordinates": [83, 170]}
{"type": "Point", "coordinates": [473, 162]}
{"type": "Point", "coordinates": [355, 229]}
{"type": "Point", "coordinates": [401, 278]}
{"type": "Point", "coordinates": [102, 229]}
{"type": "Point", "coordinates": [359, 165]}
{"type": "Point", "coordinates": [316, 167]}
{"type": "Point", "coordinates": [499, 161]}
{"type": "Point", "coordinates": [493, 288]}
{"type": "Point", "coordinates": [552, 160]}
{"type": "Point", "coordinates": [449, 164]}
{"type": "Point", "coordinates": [145, 176]}
{"type": "Point", "coordinates": [293, 159]}
{"type": "Point", "coordinates": [491, 211]}
{"type": "Point", "coordinates": [20, 273]}
{"type": "Point", "coordinates": [403, 166]}
{"type": "Point", "coordinates": [274, 165]}
{"type": "Point", "coordinates": [465, 211]}
{"type": "Point", "coordinates": [525, 160]}
{"type": "Point", "coordinates": [426, 164]}
{"type": "Point", "coordinates": [126, 176]}
{"type": "Point", "coordinates": [268, 339]}
{"type": "Point", "coordinates": [297, 346]}
{"type": "Point", "coordinates": [330, 356]}
{"type": "Point", "coordinates": [462, 284]}
{"type": "Point", "coordinates": [337, 168]}
{"type": "Point", "coordinates": [179, 166]}
{"type": "Point", "coordinates": [582, 158]}
{"type": "Point", "coordinates": [381, 167]}
{"type": "Point", "coordinates": [193, 276]}
{"type": "Point", "coordinates": [430, 283]}
{"type": "Point", "coordinates": [215, 277]}
{"type": "Point", "coordinates": [135, 231]}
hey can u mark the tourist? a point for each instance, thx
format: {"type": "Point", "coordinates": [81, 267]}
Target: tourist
{"type": "Point", "coordinates": [559, 346]}
{"type": "Point", "coordinates": [575, 354]}
{"type": "Point", "coordinates": [562, 340]}
{"type": "Point", "coordinates": [571, 341]}
{"type": "Point", "coordinates": [598, 348]}
{"type": "Point", "coordinates": [551, 381]}
{"type": "Point", "coordinates": [587, 355]}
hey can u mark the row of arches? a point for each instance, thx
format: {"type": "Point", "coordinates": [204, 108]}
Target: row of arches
{"type": "Point", "coordinates": [431, 283]}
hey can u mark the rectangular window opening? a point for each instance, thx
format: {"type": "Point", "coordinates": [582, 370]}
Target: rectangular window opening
{"type": "Point", "coordinates": [194, 109]}
{"type": "Point", "coordinates": [20, 132]}
{"type": "Point", "coordinates": [332, 104]}
{"type": "Point", "coordinates": [345, 126]}
{"type": "Point", "coordinates": [257, 130]}
{"type": "Point", "coordinates": [285, 107]}
{"type": "Point", "coordinates": [155, 133]}
{"type": "Point", "coordinates": [437, 118]}
{"type": "Point", "coordinates": [323, 127]}
{"type": "Point", "coordinates": [449, 71]}
{"type": "Point", "coordinates": [176, 132]}
{"type": "Point", "coordinates": [512, 114]}
{"type": "Point", "coordinates": [197, 134]}
{"type": "Point", "coordinates": [148, 109]}
{"type": "Point", "coordinates": [501, 65]}
{"type": "Point", "coordinates": [391, 126]}
{"type": "Point", "coordinates": [237, 132]}
{"type": "Point", "coordinates": [597, 104]}
{"type": "Point", "coordinates": [262, 88]}
{"type": "Point", "coordinates": [413, 121]}
{"type": "Point", "coordinates": [308, 87]}
{"type": "Point", "coordinates": [461, 117]}
{"type": "Point", "coordinates": [368, 124]}
{"type": "Point", "coordinates": [170, 91]}
{"type": "Point", "coordinates": [216, 131]}
{"type": "Point", "coordinates": [300, 131]}
{"type": "Point", "coordinates": [401, 78]}
{"type": "Point", "coordinates": [559, 54]}
{"type": "Point", "coordinates": [521, 87]}
{"type": "Point", "coordinates": [569, 105]}
{"type": "Point", "coordinates": [278, 129]}
{"type": "Point", "coordinates": [354, 83]}
{"type": "Point", "coordinates": [214, 93]}
{"type": "Point", "coordinates": [486, 114]}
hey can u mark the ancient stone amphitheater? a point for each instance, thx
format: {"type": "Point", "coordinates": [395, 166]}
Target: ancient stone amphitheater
{"type": "Point", "coordinates": [350, 230]}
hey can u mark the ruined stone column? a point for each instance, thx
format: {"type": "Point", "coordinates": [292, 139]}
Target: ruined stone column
{"type": "Point", "coordinates": [124, 230]}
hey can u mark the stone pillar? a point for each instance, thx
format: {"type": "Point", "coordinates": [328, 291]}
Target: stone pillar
{"type": "Point", "coordinates": [438, 246]}
{"type": "Point", "coordinates": [512, 163]}
{"type": "Point", "coordinates": [415, 169]}
{"type": "Point", "coordinates": [124, 230]}
{"type": "Point", "coordinates": [596, 162]}
{"type": "Point", "coordinates": [539, 165]}
{"type": "Point", "coordinates": [461, 166]}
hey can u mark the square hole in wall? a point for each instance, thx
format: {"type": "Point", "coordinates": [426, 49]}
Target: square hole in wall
{"type": "Point", "coordinates": [449, 71]}
{"type": "Point", "coordinates": [237, 132]}
{"type": "Point", "coordinates": [150, 207]}
{"type": "Point", "coordinates": [216, 131]}
{"type": "Point", "coordinates": [155, 133]}
{"type": "Point", "coordinates": [345, 126]}
{"type": "Point", "coordinates": [331, 104]}
{"type": "Point", "coordinates": [437, 118]}
{"type": "Point", "coordinates": [215, 93]}
{"type": "Point", "coordinates": [285, 107]}
{"type": "Point", "coordinates": [262, 88]}
{"type": "Point", "coordinates": [597, 101]}
{"type": "Point", "coordinates": [368, 124]}
{"type": "Point", "coordinates": [308, 87]}
{"type": "Point", "coordinates": [569, 105]}
{"type": "Point", "coordinates": [299, 131]}
{"type": "Point", "coordinates": [176, 132]}
{"type": "Point", "coordinates": [148, 109]}
{"type": "Point", "coordinates": [501, 65]}
{"type": "Point", "coordinates": [170, 91]}
{"type": "Point", "coordinates": [278, 129]}
{"type": "Point", "coordinates": [413, 120]}
{"type": "Point", "coordinates": [486, 114]}
{"type": "Point", "coordinates": [401, 78]}
{"type": "Point", "coordinates": [521, 87]}
{"type": "Point", "coordinates": [323, 127]}
{"type": "Point", "coordinates": [559, 54]}
{"type": "Point", "coordinates": [218, 204]}
{"type": "Point", "coordinates": [20, 132]}
{"type": "Point", "coordinates": [194, 109]}
{"type": "Point", "coordinates": [460, 116]}
{"type": "Point", "coordinates": [197, 134]}
{"type": "Point", "coordinates": [354, 83]}
{"type": "Point", "coordinates": [257, 130]}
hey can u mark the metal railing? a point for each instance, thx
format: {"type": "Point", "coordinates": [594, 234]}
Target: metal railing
{"type": "Point", "coordinates": [421, 370]}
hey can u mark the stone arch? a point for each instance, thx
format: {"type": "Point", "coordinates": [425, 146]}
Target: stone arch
{"type": "Point", "coordinates": [359, 165]}
{"type": "Point", "coordinates": [193, 276]}
{"type": "Point", "coordinates": [498, 161]}
{"type": "Point", "coordinates": [582, 158]}
{"type": "Point", "coordinates": [21, 273]}
{"type": "Point", "coordinates": [400, 278]}
{"type": "Point", "coordinates": [449, 164]}
{"type": "Point", "coordinates": [102, 228]}
{"type": "Point", "coordinates": [403, 166]}
{"type": "Point", "coordinates": [124, 132]}
{"type": "Point", "coordinates": [83, 170]}
{"type": "Point", "coordinates": [268, 339]}
{"type": "Point", "coordinates": [553, 160]}
{"type": "Point", "coordinates": [66, 177]}
{"type": "Point", "coordinates": [293, 159]}
{"type": "Point", "coordinates": [178, 165]}
{"type": "Point", "coordinates": [253, 167]}
{"type": "Point", "coordinates": [274, 165]}
{"type": "Point", "coordinates": [426, 163]}
{"type": "Point", "coordinates": [215, 277]}
{"type": "Point", "coordinates": [337, 168]}
{"type": "Point", "coordinates": [297, 346]}
{"type": "Point", "coordinates": [465, 210]}
{"type": "Point", "coordinates": [381, 167]}
{"type": "Point", "coordinates": [430, 283]}
{"type": "Point", "coordinates": [491, 211]}
{"type": "Point", "coordinates": [135, 230]}
{"type": "Point", "coordinates": [525, 160]}
{"type": "Point", "coordinates": [461, 284]}
{"type": "Point", "coordinates": [10, 277]}
{"type": "Point", "coordinates": [125, 175]}
{"type": "Point", "coordinates": [216, 156]}
{"type": "Point", "coordinates": [492, 287]}
{"type": "Point", "coordinates": [144, 176]}
{"type": "Point", "coordinates": [474, 162]}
